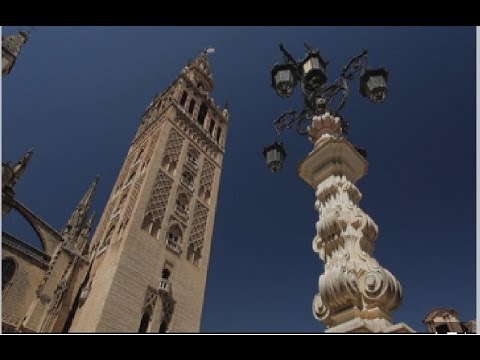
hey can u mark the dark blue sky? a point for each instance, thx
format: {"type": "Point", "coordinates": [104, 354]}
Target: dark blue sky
{"type": "Point", "coordinates": [76, 95]}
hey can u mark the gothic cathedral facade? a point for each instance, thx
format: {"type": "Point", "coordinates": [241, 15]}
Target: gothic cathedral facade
{"type": "Point", "coordinates": [145, 269]}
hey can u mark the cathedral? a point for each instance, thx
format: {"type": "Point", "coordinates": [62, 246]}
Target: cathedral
{"type": "Point", "coordinates": [145, 268]}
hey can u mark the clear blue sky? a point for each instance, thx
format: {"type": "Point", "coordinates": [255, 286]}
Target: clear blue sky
{"type": "Point", "coordinates": [76, 95]}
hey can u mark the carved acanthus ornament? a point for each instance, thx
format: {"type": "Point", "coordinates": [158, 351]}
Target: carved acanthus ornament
{"type": "Point", "coordinates": [355, 292]}
{"type": "Point", "coordinates": [345, 242]}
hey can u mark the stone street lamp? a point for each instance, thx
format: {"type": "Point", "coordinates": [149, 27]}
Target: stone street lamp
{"type": "Point", "coordinates": [356, 294]}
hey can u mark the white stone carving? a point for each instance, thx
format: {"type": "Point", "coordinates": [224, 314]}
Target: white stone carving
{"type": "Point", "coordinates": [345, 242]}
{"type": "Point", "coordinates": [356, 294]}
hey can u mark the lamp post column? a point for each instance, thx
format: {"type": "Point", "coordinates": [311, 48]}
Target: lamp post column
{"type": "Point", "coordinates": [356, 294]}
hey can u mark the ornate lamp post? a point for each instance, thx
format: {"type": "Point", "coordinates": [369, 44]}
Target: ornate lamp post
{"type": "Point", "coordinates": [356, 294]}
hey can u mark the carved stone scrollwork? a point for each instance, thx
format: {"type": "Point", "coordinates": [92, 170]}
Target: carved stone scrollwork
{"type": "Point", "coordinates": [345, 238]}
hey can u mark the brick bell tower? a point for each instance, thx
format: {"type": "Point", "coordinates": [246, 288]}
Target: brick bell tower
{"type": "Point", "coordinates": [151, 249]}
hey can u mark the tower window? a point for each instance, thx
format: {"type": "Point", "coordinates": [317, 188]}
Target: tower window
{"type": "Point", "coordinates": [191, 106]}
{"type": "Point", "coordinates": [182, 203]}
{"type": "Point", "coordinates": [171, 167]}
{"type": "Point", "coordinates": [147, 223]}
{"type": "Point", "coordinates": [193, 255]}
{"type": "Point", "coordinates": [155, 228]}
{"type": "Point", "coordinates": [165, 274]}
{"type": "Point", "coordinates": [183, 100]}
{"type": "Point", "coordinates": [219, 132]}
{"type": "Point", "coordinates": [212, 126]}
{"type": "Point", "coordinates": [202, 113]}
{"type": "Point", "coordinates": [144, 323]}
{"type": "Point", "coordinates": [187, 180]}
{"type": "Point", "coordinates": [174, 238]}
{"type": "Point", "coordinates": [8, 270]}
{"type": "Point", "coordinates": [166, 161]}
{"type": "Point", "coordinates": [163, 328]}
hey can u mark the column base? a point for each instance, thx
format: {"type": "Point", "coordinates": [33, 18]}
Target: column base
{"type": "Point", "coordinates": [359, 325]}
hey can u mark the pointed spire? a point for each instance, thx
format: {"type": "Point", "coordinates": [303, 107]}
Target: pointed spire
{"type": "Point", "coordinates": [21, 165]}
{"type": "Point", "coordinates": [87, 198]}
{"type": "Point", "coordinates": [78, 219]}
{"type": "Point", "coordinates": [88, 226]}
{"type": "Point", "coordinates": [12, 173]}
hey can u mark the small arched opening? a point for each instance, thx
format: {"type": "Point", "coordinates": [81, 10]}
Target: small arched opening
{"type": "Point", "coordinates": [144, 322]}
{"type": "Point", "coordinates": [9, 267]}
{"type": "Point", "coordinates": [202, 114]}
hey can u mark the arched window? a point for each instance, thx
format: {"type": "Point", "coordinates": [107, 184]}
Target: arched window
{"type": "Point", "coordinates": [174, 238]}
{"type": "Point", "coordinates": [155, 228]}
{"type": "Point", "coordinates": [202, 113]}
{"type": "Point", "coordinates": [144, 323]}
{"type": "Point", "coordinates": [174, 234]}
{"type": "Point", "coordinates": [147, 223]}
{"type": "Point", "coordinates": [187, 179]}
{"type": "Point", "coordinates": [171, 167]}
{"type": "Point", "coordinates": [165, 161]}
{"type": "Point", "coordinates": [182, 202]}
{"type": "Point", "coordinates": [163, 327]}
{"type": "Point", "coordinates": [193, 256]}
{"type": "Point", "coordinates": [8, 270]}
{"type": "Point", "coordinates": [219, 132]}
{"type": "Point", "coordinates": [212, 126]}
{"type": "Point", "coordinates": [165, 274]}
{"type": "Point", "coordinates": [183, 100]}
{"type": "Point", "coordinates": [191, 106]}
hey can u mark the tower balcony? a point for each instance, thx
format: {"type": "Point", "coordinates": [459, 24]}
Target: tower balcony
{"type": "Point", "coordinates": [186, 183]}
{"type": "Point", "coordinates": [174, 246]}
{"type": "Point", "coordinates": [182, 212]}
